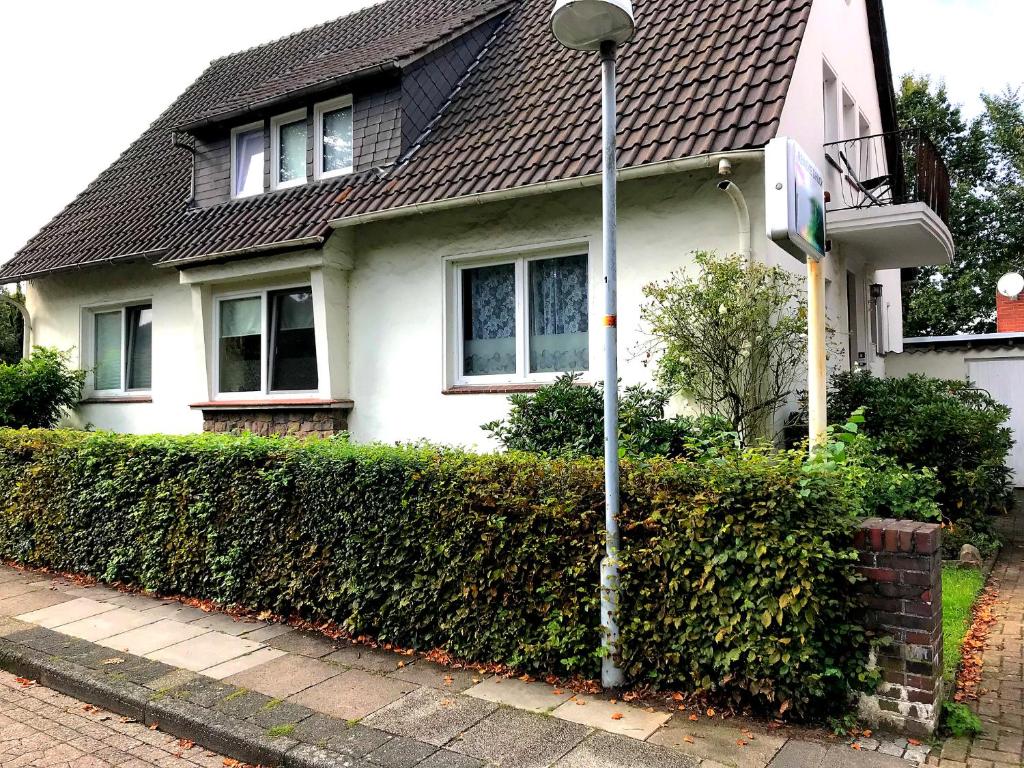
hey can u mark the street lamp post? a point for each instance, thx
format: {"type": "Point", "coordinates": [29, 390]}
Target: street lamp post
{"type": "Point", "coordinates": [602, 25]}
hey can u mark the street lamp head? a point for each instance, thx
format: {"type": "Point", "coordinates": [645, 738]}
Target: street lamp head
{"type": "Point", "coordinates": [584, 24]}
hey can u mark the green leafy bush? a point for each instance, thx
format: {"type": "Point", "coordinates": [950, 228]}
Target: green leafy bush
{"type": "Point", "coordinates": [39, 390]}
{"type": "Point", "coordinates": [566, 418]}
{"type": "Point", "coordinates": [737, 572]}
{"type": "Point", "coordinates": [944, 425]}
{"type": "Point", "coordinates": [959, 721]}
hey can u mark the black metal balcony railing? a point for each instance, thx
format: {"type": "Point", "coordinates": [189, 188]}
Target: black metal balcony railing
{"type": "Point", "coordinates": [887, 169]}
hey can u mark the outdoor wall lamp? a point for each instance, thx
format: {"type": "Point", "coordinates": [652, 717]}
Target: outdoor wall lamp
{"type": "Point", "coordinates": [602, 25]}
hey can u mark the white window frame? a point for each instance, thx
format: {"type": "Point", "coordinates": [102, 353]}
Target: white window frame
{"type": "Point", "coordinates": [235, 132]}
{"type": "Point", "coordinates": [264, 393]}
{"type": "Point", "coordinates": [521, 258]}
{"type": "Point", "coordinates": [276, 123]}
{"type": "Point", "coordinates": [89, 345]}
{"type": "Point", "coordinates": [319, 111]}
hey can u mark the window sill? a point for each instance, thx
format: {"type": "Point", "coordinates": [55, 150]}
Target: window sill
{"type": "Point", "coordinates": [276, 404]}
{"type": "Point", "coordinates": [492, 389]}
{"type": "Point", "coordinates": [116, 399]}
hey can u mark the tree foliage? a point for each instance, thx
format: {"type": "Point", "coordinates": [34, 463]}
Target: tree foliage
{"type": "Point", "coordinates": [985, 157]}
{"type": "Point", "coordinates": [732, 338]}
{"type": "Point", "coordinates": [12, 328]}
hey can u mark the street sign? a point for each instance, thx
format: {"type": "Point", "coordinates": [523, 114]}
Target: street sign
{"type": "Point", "coordinates": [794, 200]}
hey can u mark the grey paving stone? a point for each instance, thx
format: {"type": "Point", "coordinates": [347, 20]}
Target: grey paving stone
{"type": "Point", "coordinates": [427, 673]}
{"type": "Point", "coordinates": [229, 625]}
{"type": "Point", "coordinates": [204, 651]}
{"type": "Point", "coordinates": [618, 717]}
{"type": "Point", "coordinates": [262, 634]}
{"type": "Point", "coordinates": [242, 704]}
{"type": "Point", "coordinates": [320, 729]}
{"type": "Point", "coordinates": [284, 676]}
{"type": "Point", "coordinates": [312, 756]}
{"type": "Point", "coordinates": [176, 611]}
{"type": "Point", "coordinates": [844, 756]}
{"type": "Point", "coordinates": [716, 740]}
{"type": "Point", "coordinates": [430, 715]}
{"type": "Point", "coordinates": [444, 758]}
{"type": "Point", "coordinates": [799, 754]}
{"type": "Point", "coordinates": [304, 643]}
{"type": "Point", "coordinates": [606, 750]}
{"type": "Point", "coordinates": [276, 713]}
{"type": "Point", "coordinates": [35, 600]}
{"type": "Point", "coordinates": [357, 741]}
{"type": "Point", "coordinates": [153, 636]}
{"type": "Point", "coordinates": [107, 624]}
{"type": "Point", "coordinates": [401, 752]}
{"type": "Point", "coordinates": [202, 691]}
{"type": "Point", "coordinates": [173, 679]}
{"type": "Point", "coordinates": [515, 739]}
{"type": "Point", "coordinates": [353, 694]}
{"type": "Point", "coordinates": [370, 659]}
{"type": "Point", "coordinates": [532, 696]}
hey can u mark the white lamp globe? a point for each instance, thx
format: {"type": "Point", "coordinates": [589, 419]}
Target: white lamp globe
{"type": "Point", "coordinates": [584, 24]}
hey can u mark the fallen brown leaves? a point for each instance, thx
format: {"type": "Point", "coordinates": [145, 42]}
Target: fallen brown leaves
{"type": "Point", "coordinates": [983, 617]}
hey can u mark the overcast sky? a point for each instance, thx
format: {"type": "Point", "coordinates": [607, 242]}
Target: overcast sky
{"type": "Point", "coordinates": [83, 78]}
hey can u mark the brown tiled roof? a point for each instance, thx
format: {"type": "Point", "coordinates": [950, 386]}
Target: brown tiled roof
{"type": "Point", "coordinates": [700, 76]}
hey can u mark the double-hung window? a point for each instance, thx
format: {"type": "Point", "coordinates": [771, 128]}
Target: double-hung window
{"type": "Point", "coordinates": [266, 343]}
{"type": "Point", "coordinates": [288, 150]}
{"type": "Point", "coordinates": [525, 319]}
{"type": "Point", "coordinates": [332, 150]}
{"type": "Point", "coordinates": [122, 349]}
{"type": "Point", "coordinates": [247, 160]}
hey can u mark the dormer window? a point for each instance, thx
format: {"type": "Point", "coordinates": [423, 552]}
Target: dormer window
{"type": "Point", "coordinates": [288, 150]}
{"type": "Point", "coordinates": [333, 131]}
{"type": "Point", "coordinates": [247, 160]}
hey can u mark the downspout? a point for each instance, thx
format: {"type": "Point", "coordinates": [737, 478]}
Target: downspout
{"type": "Point", "coordinates": [740, 203]}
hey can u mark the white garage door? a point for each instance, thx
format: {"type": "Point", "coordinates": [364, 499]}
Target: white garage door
{"type": "Point", "coordinates": [1003, 380]}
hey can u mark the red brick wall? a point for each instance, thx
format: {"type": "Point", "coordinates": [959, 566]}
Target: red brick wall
{"type": "Point", "coordinates": [902, 564]}
{"type": "Point", "coordinates": [1009, 314]}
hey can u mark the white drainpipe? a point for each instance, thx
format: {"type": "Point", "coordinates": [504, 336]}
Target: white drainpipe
{"type": "Point", "coordinates": [742, 214]}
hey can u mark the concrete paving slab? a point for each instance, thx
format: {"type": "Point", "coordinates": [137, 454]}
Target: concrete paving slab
{"type": "Point", "coordinates": [176, 611]}
{"type": "Point", "coordinates": [106, 624]}
{"type": "Point", "coordinates": [10, 626]}
{"type": "Point", "coordinates": [430, 715]}
{"type": "Point", "coordinates": [400, 752]}
{"type": "Point", "coordinates": [304, 643]}
{"type": "Point", "coordinates": [352, 695]}
{"type": "Point", "coordinates": [533, 697]}
{"type": "Point", "coordinates": [719, 741]}
{"type": "Point", "coordinates": [370, 659]}
{"type": "Point", "coordinates": [623, 719]}
{"type": "Point", "coordinates": [153, 636]}
{"type": "Point", "coordinates": [262, 634]}
{"type": "Point", "coordinates": [511, 738]}
{"type": "Point", "coordinates": [20, 587]}
{"type": "Point", "coordinates": [62, 613]}
{"type": "Point", "coordinates": [844, 756]}
{"type": "Point", "coordinates": [800, 754]}
{"type": "Point", "coordinates": [242, 663]}
{"type": "Point", "coordinates": [171, 680]}
{"type": "Point", "coordinates": [229, 625]}
{"type": "Point", "coordinates": [351, 740]}
{"type": "Point", "coordinates": [443, 758]}
{"type": "Point", "coordinates": [205, 651]}
{"type": "Point", "coordinates": [135, 601]}
{"type": "Point", "coordinates": [605, 750]}
{"type": "Point", "coordinates": [31, 601]}
{"type": "Point", "coordinates": [284, 676]}
{"type": "Point", "coordinates": [432, 675]}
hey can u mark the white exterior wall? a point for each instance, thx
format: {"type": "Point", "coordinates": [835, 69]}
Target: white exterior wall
{"type": "Point", "coordinates": [837, 35]}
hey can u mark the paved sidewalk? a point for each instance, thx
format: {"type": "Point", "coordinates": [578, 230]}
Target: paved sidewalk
{"type": "Point", "coordinates": [300, 692]}
{"type": "Point", "coordinates": [1001, 703]}
{"type": "Point", "coordinates": [40, 728]}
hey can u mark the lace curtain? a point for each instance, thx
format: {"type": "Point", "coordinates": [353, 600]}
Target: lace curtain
{"type": "Point", "coordinates": [489, 306]}
{"type": "Point", "coordinates": [559, 320]}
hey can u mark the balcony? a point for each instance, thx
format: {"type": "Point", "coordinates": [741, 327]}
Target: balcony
{"type": "Point", "coordinates": [889, 199]}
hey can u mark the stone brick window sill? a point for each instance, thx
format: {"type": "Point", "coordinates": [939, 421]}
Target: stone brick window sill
{"type": "Point", "coordinates": [282, 404]}
{"type": "Point", "coordinates": [112, 400]}
{"type": "Point", "coordinates": [490, 389]}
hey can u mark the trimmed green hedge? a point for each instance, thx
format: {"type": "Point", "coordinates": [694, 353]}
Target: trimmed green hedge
{"type": "Point", "coordinates": [737, 573]}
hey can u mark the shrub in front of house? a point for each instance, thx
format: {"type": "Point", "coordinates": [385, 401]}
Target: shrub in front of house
{"type": "Point", "coordinates": [566, 418]}
{"type": "Point", "coordinates": [946, 425]}
{"type": "Point", "coordinates": [737, 573]}
{"type": "Point", "coordinates": [39, 390]}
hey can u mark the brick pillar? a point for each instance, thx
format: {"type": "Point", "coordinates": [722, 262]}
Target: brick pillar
{"type": "Point", "coordinates": [902, 562]}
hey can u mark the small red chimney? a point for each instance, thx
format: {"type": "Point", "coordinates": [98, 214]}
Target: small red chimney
{"type": "Point", "coordinates": [1010, 303]}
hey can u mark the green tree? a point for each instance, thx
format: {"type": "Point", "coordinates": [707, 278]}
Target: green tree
{"type": "Point", "coordinates": [11, 328]}
{"type": "Point", "coordinates": [731, 338]}
{"type": "Point", "coordinates": [985, 157]}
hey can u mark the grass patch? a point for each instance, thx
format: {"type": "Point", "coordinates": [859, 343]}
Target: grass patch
{"type": "Point", "coordinates": [960, 588]}
{"type": "Point", "coordinates": [281, 730]}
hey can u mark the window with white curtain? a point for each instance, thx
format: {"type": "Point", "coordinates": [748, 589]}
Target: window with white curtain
{"type": "Point", "coordinates": [122, 349]}
{"type": "Point", "coordinates": [288, 150]}
{"type": "Point", "coordinates": [332, 122]}
{"type": "Point", "coordinates": [522, 320]}
{"type": "Point", "coordinates": [266, 343]}
{"type": "Point", "coordinates": [247, 160]}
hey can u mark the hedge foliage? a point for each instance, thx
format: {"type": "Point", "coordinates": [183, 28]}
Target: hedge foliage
{"type": "Point", "coordinates": [39, 390]}
{"type": "Point", "coordinates": [737, 573]}
{"type": "Point", "coordinates": [945, 425]}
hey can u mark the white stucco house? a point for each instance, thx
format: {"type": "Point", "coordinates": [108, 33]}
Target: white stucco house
{"type": "Point", "coordinates": [388, 222]}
